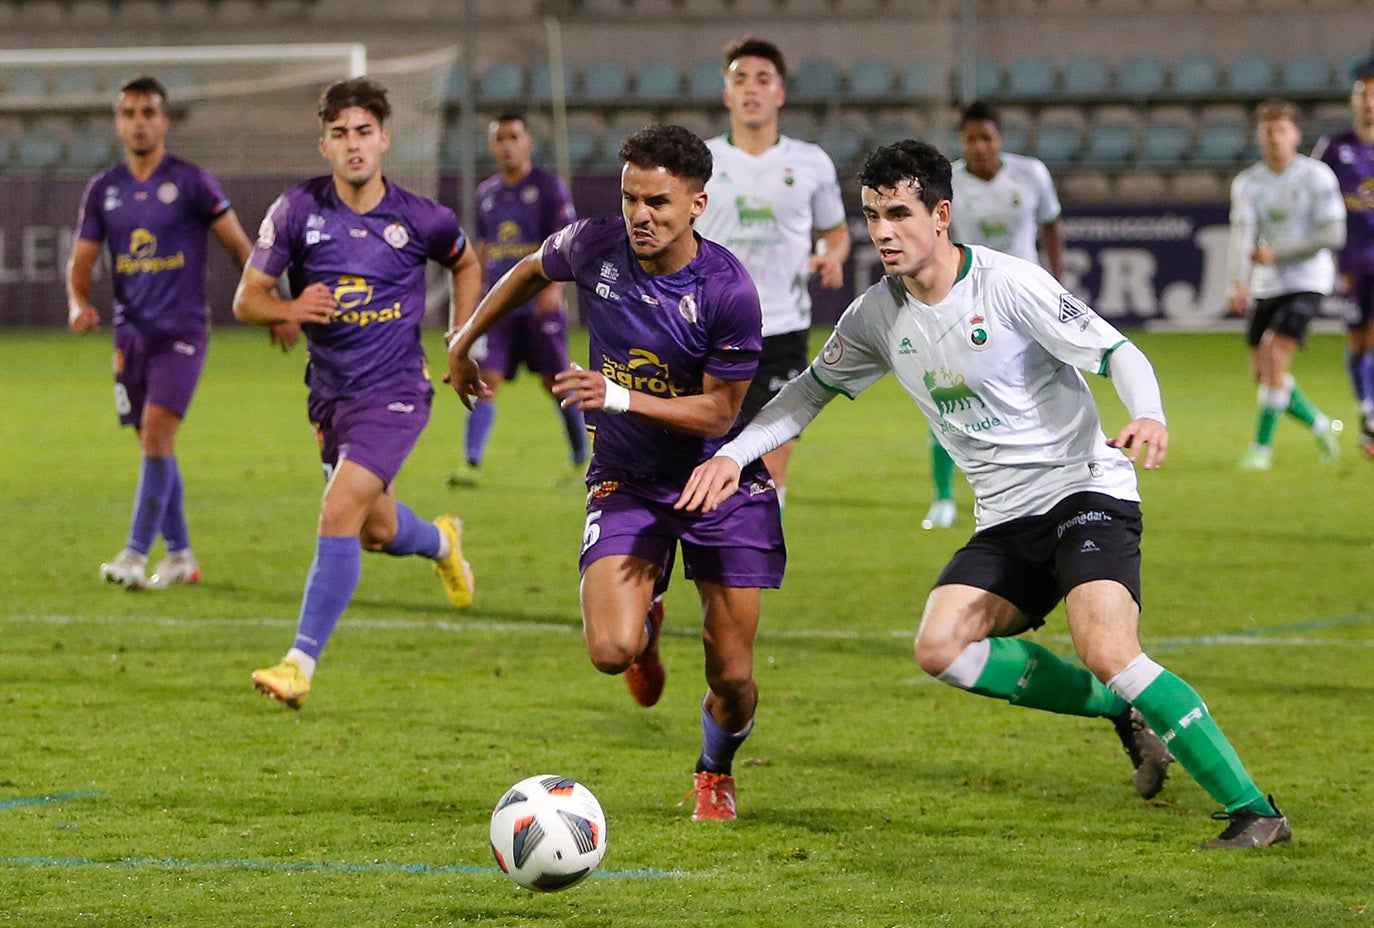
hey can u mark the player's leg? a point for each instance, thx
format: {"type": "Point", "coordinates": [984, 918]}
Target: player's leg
{"type": "Point", "coordinates": [1260, 454]}
{"type": "Point", "coordinates": [546, 355]}
{"type": "Point", "coordinates": [783, 357]}
{"type": "Point", "coordinates": [1286, 335]}
{"type": "Point", "coordinates": [173, 376]}
{"type": "Point", "coordinates": [943, 510]}
{"type": "Point", "coordinates": [494, 354]}
{"type": "Point", "coordinates": [1359, 356]}
{"type": "Point", "coordinates": [616, 592]}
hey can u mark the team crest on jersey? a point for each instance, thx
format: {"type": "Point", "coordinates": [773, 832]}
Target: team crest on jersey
{"type": "Point", "coordinates": [1072, 309]}
{"type": "Point", "coordinates": [789, 177]}
{"type": "Point", "coordinates": [396, 235]}
{"type": "Point", "coordinates": [168, 193]}
{"type": "Point", "coordinates": [978, 333]}
{"type": "Point", "coordinates": [687, 308]}
{"type": "Point", "coordinates": [529, 194]}
{"type": "Point", "coordinates": [111, 198]}
{"type": "Point", "coordinates": [833, 351]}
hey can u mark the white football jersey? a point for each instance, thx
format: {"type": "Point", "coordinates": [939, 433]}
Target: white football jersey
{"type": "Point", "coordinates": [1286, 208]}
{"type": "Point", "coordinates": [995, 368]}
{"type": "Point", "coordinates": [764, 209]}
{"type": "Point", "coordinates": [1004, 213]}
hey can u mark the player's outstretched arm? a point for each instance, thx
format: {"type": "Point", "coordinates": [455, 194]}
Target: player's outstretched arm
{"type": "Point", "coordinates": [1136, 384]}
{"type": "Point", "coordinates": [709, 414]}
{"type": "Point", "coordinates": [712, 483]}
{"type": "Point", "coordinates": [1146, 435]}
{"type": "Point", "coordinates": [81, 315]}
{"type": "Point", "coordinates": [831, 250]}
{"type": "Point", "coordinates": [515, 288]}
{"type": "Point", "coordinates": [257, 303]}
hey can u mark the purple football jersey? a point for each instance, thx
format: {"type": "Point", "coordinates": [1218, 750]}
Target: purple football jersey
{"type": "Point", "coordinates": [1353, 162]}
{"type": "Point", "coordinates": [375, 265]}
{"type": "Point", "coordinates": [156, 232]}
{"type": "Point", "coordinates": [658, 335]}
{"type": "Point", "coordinates": [514, 220]}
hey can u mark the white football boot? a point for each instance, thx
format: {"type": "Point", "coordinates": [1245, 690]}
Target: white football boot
{"type": "Point", "coordinates": [127, 569]}
{"type": "Point", "coordinates": [176, 567]}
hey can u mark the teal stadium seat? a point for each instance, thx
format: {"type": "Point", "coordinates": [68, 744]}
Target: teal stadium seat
{"type": "Point", "coordinates": [451, 147]}
{"type": "Point", "coordinates": [39, 149]}
{"type": "Point", "coordinates": [455, 84]}
{"type": "Point", "coordinates": [584, 147]}
{"type": "Point", "coordinates": [706, 81]}
{"type": "Point", "coordinates": [1222, 141]}
{"type": "Point", "coordinates": [1057, 141]}
{"type": "Point", "coordinates": [501, 82]}
{"type": "Point", "coordinates": [870, 79]}
{"type": "Point", "coordinates": [90, 146]}
{"type": "Point", "coordinates": [1306, 74]}
{"type": "Point", "coordinates": [1086, 78]}
{"type": "Point", "coordinates": [1030, 79]}
{"type": "Point", "coordinates": [799, 124]}
{"type": "Point", "coordinates": [26, 83]}
{"type": "Point", "coordinates": [1015, 126]}
{"type": "Point", "coordinates": [987, 79]}
{"type": "Point", "coordinates": [842, 138]}
{"type": "Point", "coordinates": [541, 84]}
{"type": "Point", "coordinates": [921, 80]}
{"type": "Point", "coordinates": [659, 82]}
{"type": "Point", "coordinates": [1196, 76]}
{"type": "Point", "coordinates": [1164, 143]}
{"type": "Point", "coordinates": [1252, 76]}
{"type": "Point", "coordinates": [75, 82]}
{"type": "Point", "coordinates": [1140, 76]}
{"type": "Point", "coordinates": [816, 80]}
{"type": "Point", "coordinates": [606, 82]}
{"type": "Point", "coordinates": [1110, 144]}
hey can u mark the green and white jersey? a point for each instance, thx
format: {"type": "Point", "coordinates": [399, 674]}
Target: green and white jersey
{"type": "Point", "coordinates": [1004, 213]}
{"type": "Point", "coordinates": [1287, 208]}
{"type": "Point", "coordinates": [995, 368]}
{"type": "Point", "coordinates": [764, 209]}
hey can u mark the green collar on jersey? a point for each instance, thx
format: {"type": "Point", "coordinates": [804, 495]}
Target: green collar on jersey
{"type": "Point", "coordinates": [965, 261]}
{"type": "Point", "coordinates": [730, 140]}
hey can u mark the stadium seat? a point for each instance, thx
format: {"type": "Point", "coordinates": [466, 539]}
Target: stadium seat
{"type": "Point", "coordinates": [541, 84]}
{"type": "Point", "coordinates": [1029, 79]}
{"type": "Point", "coordinates": [659, 82]}
{"type": "Point", "coordinates": [74, 82]}
{"type": "Point", "coordinates": [1325, 119]}
{"type": "Point", "coordinates": [91, 146]}
{"type": "Point", "coordinates": [26, 83]}
{"type": "Point", "coordinates": [1222, 140]}
{"type": "Point", "coordinates": [705, 124]}
{"type": "Point", "coordinates": [1306, 74]}
{"type": "Point", "coordinates": [451, 147]}
{"type": "Point", "coordinates": [816, 80]}
{"type": "Point", "coordinates": [799, 123]}
{"type": "Point", "coordinates": [705, 81]}
{"type": "Point", "coordinates": [455, 84]}
{"type": "Point", "coordinates": [1016, 129]}
{"type": "Point", "coordinates": [1086, 77]}
{"type": "Point", "coordinates": [1110, 143]}
{"type": "Point", "coordinates": [895, 126]}
{"type": "Point", "coordinates": [987, 79]}
{"type": "Point", "coordinates": [1057, 139]}
{"type": "Point", "coordinates": [1251, 76]}
{"type": "Point", "coordinates": [39, 149]}
{"type": "Point", "coordinates": [501, 82]}
{"type": "Point", "coordinates": [870, 79]}
{"type": "Point", "coordinates": [1195, 76]}
{"type": "Point", "coordinates": [605, 82]}
{"type": "Point", "coordinates": [1140, 76]}
{"type": "Point", "coordinates": [843, 140]}
{"type": "Point", "coordinates": [921, 80]}
{"type": "Point", "coordinates": [1165, 142]}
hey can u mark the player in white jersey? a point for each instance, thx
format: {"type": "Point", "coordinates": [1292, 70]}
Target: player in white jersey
{"type": "Point", "coordinates": [1287, 216]}
{"type": "Point", "coordinates": [1005, 201]}
{"type": "Point", "coordinates": [775, 202]}
{"type": "Point", "coordinates": [979, 339]}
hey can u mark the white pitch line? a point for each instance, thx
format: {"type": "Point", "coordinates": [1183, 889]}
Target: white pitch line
{"type": "Point", "coordinates": [765, 634]}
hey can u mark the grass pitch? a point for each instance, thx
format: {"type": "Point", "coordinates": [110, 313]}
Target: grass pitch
{"type": "Point", "coordinates": [143, 783]}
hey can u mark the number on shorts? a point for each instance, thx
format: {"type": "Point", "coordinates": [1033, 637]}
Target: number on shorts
{"type": "Point", "coordinates": [591, 531]}
{"type": "Point", "coordinates": [121, 397]}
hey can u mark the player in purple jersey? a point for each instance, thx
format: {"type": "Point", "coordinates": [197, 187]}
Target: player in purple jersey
{"type": "Point", "coordinates": [517, 208]}
{"type": "Point", "coordinates": [675, 332]}
{"type": "Point", "coordinates": [354, 248]}
{"type": "Point", "coordinates": [1351, 155]}
{"type": "Point", "coordinates": [152, 210]}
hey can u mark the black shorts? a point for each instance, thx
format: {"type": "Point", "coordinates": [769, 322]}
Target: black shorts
{"type": "Point", "coordinates": [1289, 315]}
{"type": "Point", "coordinates": [783, 357]}
{"type": "Point", "coordinates": [1033, 562]}
{"type": "Point", "coordinates": [1360, 307]}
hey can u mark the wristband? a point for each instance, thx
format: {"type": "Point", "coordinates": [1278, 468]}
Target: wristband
{"type": "Point", "coordinates": [617, 397]}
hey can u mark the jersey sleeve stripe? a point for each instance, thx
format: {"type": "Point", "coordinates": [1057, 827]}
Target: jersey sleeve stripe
{"type": "Point", "coordinates": [824, 385]}
{"type": "Point", "coordinates": [1107, 357]}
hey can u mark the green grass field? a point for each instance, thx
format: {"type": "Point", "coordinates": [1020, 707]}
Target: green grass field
{"type": "Point", "coordinates": [142, 782]}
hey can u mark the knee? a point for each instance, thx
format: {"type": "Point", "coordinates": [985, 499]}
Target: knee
{"type": "Point", "coordinates": [936, 650]}
{"type": "Point", "coordinates": [731, 681]}
{"type": "Point", "coordinates": [1106, 659]}
{"type": "Point", "coordinates": [610, 654]}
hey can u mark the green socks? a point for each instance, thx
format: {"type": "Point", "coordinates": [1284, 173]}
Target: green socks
{"type": "Point", "coordinates": [1026, 674]}
{"type": "Point", "coordinates": [941, 469]}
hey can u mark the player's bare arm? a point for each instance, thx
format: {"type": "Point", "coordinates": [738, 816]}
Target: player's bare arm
{"type": "Point", "coordinates": [1052, 238]}
{"type": "Point", "coordinates": [832, 248]}
{"type": "Point", "coordinates": [708, 415]}
{"type": "Point", "coordinates": [257, 303]}
{"type": "Point", "coordinates": [228, 230]}
{"type": "Point", "coordinates": [81, 315]}
{"type": "Point", "coordinates": [1148, 435]}
{"type": "Point", "coordinates": [467, 285]}
{"type": "Point", "coordinates": [515, 288]}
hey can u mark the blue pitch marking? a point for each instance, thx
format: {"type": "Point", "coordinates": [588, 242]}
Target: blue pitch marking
{"type": "Point", "coordinates": [55, 797]}
{"type": "Point", "coordinates": [300, 867]}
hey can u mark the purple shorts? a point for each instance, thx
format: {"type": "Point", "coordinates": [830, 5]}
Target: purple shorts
{"type": "Point", "coordinates": [159, 370]}
{"type": "Point", "coordinates": [1360, 309]}
{"type": "Point", "coordinates": [538, 342]}
{"type": "Point", "coordinates": [377, 433]}
{"type": "Point", "coordinates": [738, 545]}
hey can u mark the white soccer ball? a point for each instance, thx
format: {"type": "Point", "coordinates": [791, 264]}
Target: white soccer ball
{"type": "Point", "coordinates": [548, 832]}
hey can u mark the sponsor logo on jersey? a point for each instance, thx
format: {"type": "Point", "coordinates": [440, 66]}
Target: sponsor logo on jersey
{"type": "Point", "coordinates": [358, 233]}
{"type": "Point", "coordinates": [906, 347]}
{"type": "Point", "coordinates": [352, 293]}
{"type": "Point", "coordinates": [396, 235]}
{"type": "Point", "coordinates": [111, 198]}
{"type": "Point", "coordinates": [643, 370]}
{"type": "Point", "coordinates": [754, 213]}
{"type": "Point", "coordinates": [401, 407]}
{"type": "Point", "coordinates": [510, 244]}
{"type": "Point", "coordinates": [950, 392]}
{"type": "Point", "coordinates": [142, 257]}
{"type": "Point", "coordinates": [608, 271]}
{"type": "Point", "coordinates": [604, 291]}
{"type": "Point", "coordinates": [602, 489]}
{"type": "Point", "coordinates": [1072, 309]}
{"type": "Point", "coordinates": [168, 192]}
{"type": "Point", "coordinates": [687, 308]}
{"type": "Point", "coordinates": [184, 348]}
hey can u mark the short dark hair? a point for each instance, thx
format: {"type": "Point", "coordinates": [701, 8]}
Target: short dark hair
{"type": "Point", "coordinates": [914, 162]}
{"type": "Point", "coordinates": [145, 84]}
{"type": "Point", "coordinates": [1363, 69]}
{"type": "Point", "coordinates": [752, 47]}
{"type": "Point", "coordinates": [356, 91]}
{"type": "Point", "coordinates": [677, 150]}
{"type": "Point", "coordinates": [979, 111]}
{"type": "Point", "coordinates": [1278, 109]}
{"type": "Point", "coordinates": [510, 116]}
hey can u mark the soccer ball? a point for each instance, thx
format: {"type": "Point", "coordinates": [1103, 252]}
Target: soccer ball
{"type": "Point", "coordinates": [548, 832]}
